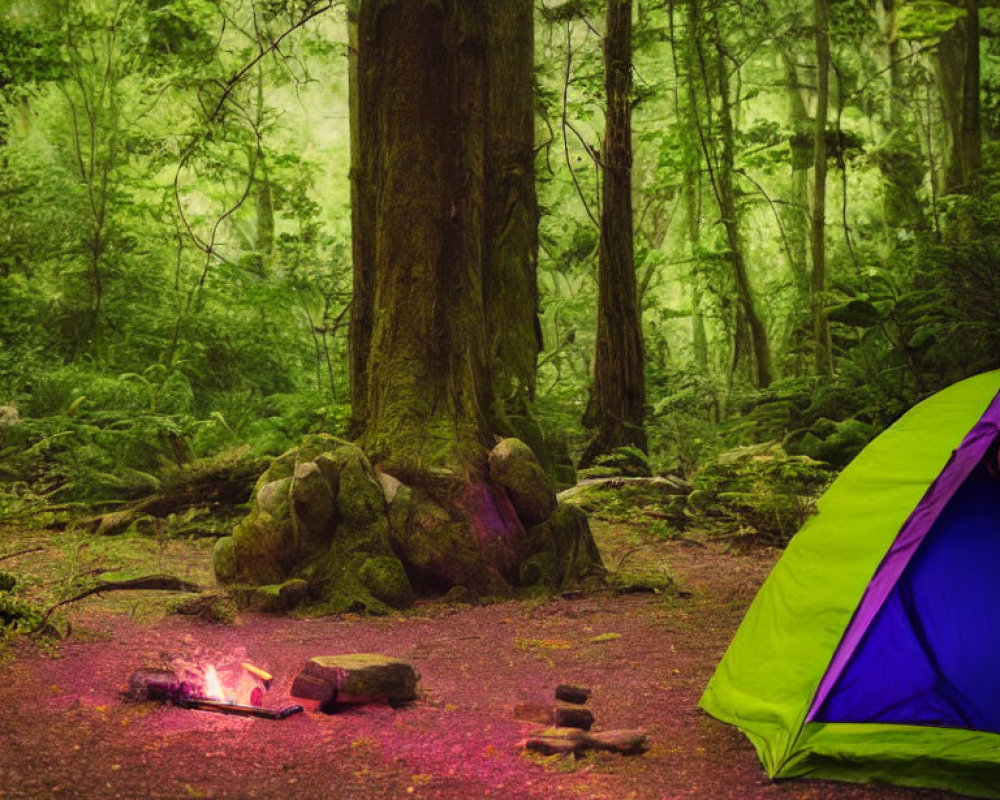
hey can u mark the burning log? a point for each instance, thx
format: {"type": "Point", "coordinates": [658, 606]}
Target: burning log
{"type": "Point", "coordinates": [167, 686]}
{"type": "Point", "coordinates": [222, 707]}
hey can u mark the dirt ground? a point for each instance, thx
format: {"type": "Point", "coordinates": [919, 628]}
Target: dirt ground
{"type": "Point", "coordinates": [67, 732]}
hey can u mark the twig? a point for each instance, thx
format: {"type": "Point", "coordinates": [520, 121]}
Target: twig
{"type": "Point", "coordinates": [168, 583]}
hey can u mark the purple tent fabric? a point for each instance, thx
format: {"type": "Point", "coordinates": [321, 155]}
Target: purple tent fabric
{"type": "Point", "coordinates": [924, 646]}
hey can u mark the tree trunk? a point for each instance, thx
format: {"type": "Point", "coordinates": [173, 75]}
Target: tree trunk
{"type": "Point", "coordinates": [721, 171]}
{"type": "Point", "coordinates": [422, 80]}
{"type": "Point", "coordinates": [821, 332]}
{"type": "Point", "coordinates": [899, 156]}
{"type": "Point", "coordinates": [424, 508]}
{"type": "Point", "coordinates": [264, 244]}
{"type": "Point", "coordinates": [363, 142]}
{"type": "Point", "coordinates": [693, 196]}
{"type": "Point", "coordinates": [511, 251]}
{"type": "Point", "coordinates": [795, 217]}
{"type": "Point", "coordinates": [958, 81]}
{"type": "Point", "coordinates": [619, 383]}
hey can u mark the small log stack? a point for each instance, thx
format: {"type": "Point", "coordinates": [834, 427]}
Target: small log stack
{"type": "Point", "coordinates": [571, 731]}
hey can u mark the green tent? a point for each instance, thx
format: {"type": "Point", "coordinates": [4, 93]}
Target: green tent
{"type": "Point", "coordinates": [872, 651]}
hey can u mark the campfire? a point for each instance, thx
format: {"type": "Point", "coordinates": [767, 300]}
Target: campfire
{"type": "Point", "coordinates": [230, 686]}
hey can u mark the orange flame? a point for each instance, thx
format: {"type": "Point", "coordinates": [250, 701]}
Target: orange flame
{"type": "Point", "coordinates": [214, 689]}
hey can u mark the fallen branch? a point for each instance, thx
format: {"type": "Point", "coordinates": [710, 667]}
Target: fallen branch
{"type": "Point", "coordinates": [167, 583]}
{"type": "Point", "coordinates": [17, 553]}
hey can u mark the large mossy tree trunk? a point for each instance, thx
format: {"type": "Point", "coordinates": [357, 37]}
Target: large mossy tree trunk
{"type": "Point", "coordinates": [619, 382]}
{"type": "Point", "coordinates": [422, 78]}
{"type": "Point", "coordinates": [444, 319]}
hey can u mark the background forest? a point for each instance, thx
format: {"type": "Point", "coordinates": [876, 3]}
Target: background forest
{"type": "Point", "coordinates": [815, 199]}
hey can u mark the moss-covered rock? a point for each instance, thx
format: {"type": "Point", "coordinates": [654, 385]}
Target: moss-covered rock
{"type": "Point", "coordinates": [356, 678]}
{"type": "Point", "coordinates": [321, 517]}
{"type": "Point", "coordinates": [385, 577]}
{"type": "Point", "coordinates": [561, 552]}
{"type": "Point", "coordinates": [317, 521]}
{"type": "Point", "coordinates": [514, 466]}
{"type": "Point", "coordinates": [224, 559]}
{"type": "Point", "coordinates": [359, 497]}
{"type": "Point", "coordinates": [278, 597]}
{"type": "Point", "coordinates": [439, 548]}
{"type": "Point", "coordinates": [313, 508]}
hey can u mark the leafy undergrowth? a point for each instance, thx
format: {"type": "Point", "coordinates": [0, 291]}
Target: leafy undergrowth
{"type": "Point", "coordinates": [646, 657]}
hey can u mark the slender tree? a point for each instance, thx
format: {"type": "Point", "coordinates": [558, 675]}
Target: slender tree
{"type": "Point", "coordinates": [750, 330]}
{"type": "Point", "coordinates": [820, 328]}
{"type": "Point", "coordinates": [619, 384]}
{"type": "Point", "coordinates": [899, 156]}
{"type": "Point", "coordinates": [958, 81]}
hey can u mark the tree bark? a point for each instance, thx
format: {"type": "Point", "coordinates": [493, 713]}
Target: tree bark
{"type": "Point", "coordinates": [422, 93]}
{"type": "Point", "coordinates": [364, 146]}
{"type": "Point", "coordinates": [693, 199]}
{"type": "Point", "coordinates": [511, 251]}
{"type": "Point", "coordinates": [899, 156]}
{"type": "Point", "coordinates": [823, 363]}
{"type": "Point", "coordinates": [958, 81]}
{"type": "Point", "coordinates": [619, 383]}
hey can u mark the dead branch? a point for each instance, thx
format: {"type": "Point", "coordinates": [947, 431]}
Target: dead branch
{"type": "Point", "coordinates": [166, 583]}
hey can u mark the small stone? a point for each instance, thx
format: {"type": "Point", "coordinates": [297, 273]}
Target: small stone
{"type": "Point", "coordinates": [574, 717]}
{"type": "Point", "coordinates": [356, 679]}
{"type": "Point", "coordinates": [389, 484]}
{"type": "Point", "coordinates": [569, 693]}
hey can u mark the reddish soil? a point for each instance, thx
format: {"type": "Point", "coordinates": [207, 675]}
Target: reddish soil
{"type": "Point", "coordinates": [66, 732]}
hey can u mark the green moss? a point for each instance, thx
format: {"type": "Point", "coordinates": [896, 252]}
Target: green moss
{"type": "Point", "coordinates": [562, 551]}
{"type": "Point", "coordinates": [313, 503]}
{"type": "Point", "coordinates": [278, 598]}
{"type": "Point", "coordinates": [257, 542]}
{"type": "Point", "coordinates": [514, 466]}
{"type": "Point", "coordinates": [359, 497]}
{"type": "Point", "coordinates": [310, 448]}
{"type": "Point", "coordinates": [272, 497]}
{"type": "Point", "coordinates": [224, 559]}
{"type": "Point", "coordinates": [385, 578]}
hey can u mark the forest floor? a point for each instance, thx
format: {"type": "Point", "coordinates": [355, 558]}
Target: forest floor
{"type": "Point", "coordinates": [66, 731]}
